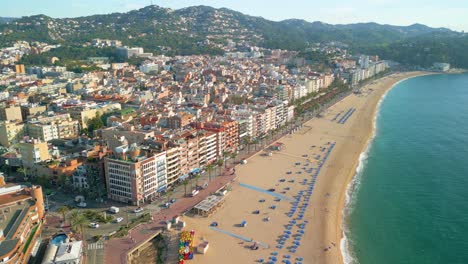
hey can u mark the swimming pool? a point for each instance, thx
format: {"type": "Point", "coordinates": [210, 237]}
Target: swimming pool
{"type": "Point", "coordinates": [58, 239]}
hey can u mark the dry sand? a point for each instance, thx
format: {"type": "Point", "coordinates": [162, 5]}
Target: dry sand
{"type": "Point", "coordinates": [324, 212]}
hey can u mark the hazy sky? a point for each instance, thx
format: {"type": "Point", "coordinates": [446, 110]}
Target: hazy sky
{"type": "Point", "coordinates": [448, 13]}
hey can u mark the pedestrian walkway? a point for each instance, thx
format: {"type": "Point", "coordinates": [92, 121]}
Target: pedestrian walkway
{"type": "Point", "coordinates": [267, 192]}
{"type": "Point", "coordinates": [239, 236]}
{"type": "Point", "coordinates": [95, 246]}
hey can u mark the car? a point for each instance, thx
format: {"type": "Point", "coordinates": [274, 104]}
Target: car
{"type": "Point", "coordinates": [282, 180]}
{"type": "Point", "coordinates": [119, 219]}
{"type": "Point", "coordinates": [271, 190]}
{"type": "Point", "coordinates": [138, 210]}
{"type": "Point", "coordinates": [93, 225]}
{"type": "Point", "coordinates": [214, 224]}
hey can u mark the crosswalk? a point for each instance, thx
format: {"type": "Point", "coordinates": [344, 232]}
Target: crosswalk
{"type": "Point", "coordinates": [95, 246]}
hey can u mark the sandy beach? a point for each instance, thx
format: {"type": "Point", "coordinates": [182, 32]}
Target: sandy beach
{"type": "Point", "coordinates": [302, 221]}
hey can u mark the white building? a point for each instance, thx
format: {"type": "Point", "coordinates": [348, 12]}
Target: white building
{"type": "Point", "coordinates": [133, 177]}
{"type": "Point", "coordinates": [66, 253]}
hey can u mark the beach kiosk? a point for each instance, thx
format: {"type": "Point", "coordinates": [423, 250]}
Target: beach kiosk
{"type": "Point", "coordinates": [203, 247]}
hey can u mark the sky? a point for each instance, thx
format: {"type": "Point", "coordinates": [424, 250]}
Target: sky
{"type": "Point", "coordinates": [448, 13]}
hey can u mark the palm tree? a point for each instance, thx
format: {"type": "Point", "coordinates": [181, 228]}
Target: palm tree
{"type": "Point", "coordinates": [219, 164]}
{"type": "Point", "coordinates": [225, 155]}
{"type": "Point", "coordinates": [209, 168]}
{"type": "Point", "coordinates": [169, 195]}
{"type": "Point", "coordinates": [247, 141]}
{"type": "Point", "coordinates": [77, 221]}
{"type": "Point", "coordinates": [185, 183]}
{"type": "Point", "coordinates": [197, 176]}
{"type": "Point", "coordinates": [255, 142]}
{"type": "Point", "coordinates": [24, 171]}
{"type": "Point", "coordinates": [234, 155]}
{"type": "Point", "coordinates": [63, 210]}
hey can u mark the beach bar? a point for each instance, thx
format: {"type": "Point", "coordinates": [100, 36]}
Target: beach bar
{"type": "Point", "coordinates": [209, 205]}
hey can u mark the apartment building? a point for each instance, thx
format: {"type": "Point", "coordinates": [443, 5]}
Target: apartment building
{"type": "Point", "coordinates": [11, 113]}
{"type": "Point", "coordinates": [173, 165]}
{"type": "Point", "coordinates": [133, 177]}
{"type": "Point", "coordinates": [52, 127]}
{"type": "Point", "coordinates": [20, 222]}
{"type": "Point", "coordinates": [33, 151]}
{"type": "Point", "coordinates": [31, 110]}
{"type": "Point", "coordinates": [10, 133]}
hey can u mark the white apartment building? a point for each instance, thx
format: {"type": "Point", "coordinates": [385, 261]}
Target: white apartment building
{"type": "Point", "coordinates": [134, 178]}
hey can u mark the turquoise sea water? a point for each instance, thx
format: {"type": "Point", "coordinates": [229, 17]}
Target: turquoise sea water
{"type": "Point", "coordinates": [410, 201]}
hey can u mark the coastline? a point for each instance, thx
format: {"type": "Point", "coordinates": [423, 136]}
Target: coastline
{"type": "Point", "coordinates": [324, 233]}
{"type": "Point", "coordinates": [352, 185]}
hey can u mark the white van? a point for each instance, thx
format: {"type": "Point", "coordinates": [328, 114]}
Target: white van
{"type": "Point", "coordinates": [114, 209]}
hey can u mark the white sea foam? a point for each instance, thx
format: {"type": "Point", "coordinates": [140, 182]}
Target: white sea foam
{"type": "Point", "coordinates": [353, 187]}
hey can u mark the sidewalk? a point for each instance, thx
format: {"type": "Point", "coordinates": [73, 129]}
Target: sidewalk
{"type": "Point", "coordinates": [116, 250]}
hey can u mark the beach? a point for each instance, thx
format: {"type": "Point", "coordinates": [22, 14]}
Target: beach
{"type": "Point", "coordinates": [301, 220]}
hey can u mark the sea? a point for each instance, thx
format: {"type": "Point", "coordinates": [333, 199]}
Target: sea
{"type": "Point", "coordinates": [408, 202]}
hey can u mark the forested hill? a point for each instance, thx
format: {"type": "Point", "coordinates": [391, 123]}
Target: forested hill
{"type": "Point", "coordinates": [186, 31]}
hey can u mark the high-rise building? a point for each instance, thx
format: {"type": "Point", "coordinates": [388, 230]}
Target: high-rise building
{"type": "Point", "coordinates": [133, 177]}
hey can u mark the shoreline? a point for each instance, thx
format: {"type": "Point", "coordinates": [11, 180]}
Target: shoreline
{"type": "Point", "coordinates": [323, 232]}
{"type": "Point", "coordinates": [346, 256]}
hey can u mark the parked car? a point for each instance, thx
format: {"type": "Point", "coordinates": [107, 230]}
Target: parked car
{"type": "Point", "coordinates": [138, 210]}
{"type": "Point", "coordinates": [119, 219]}
{"type": "Point", "coordinates": [93, 225]}
{"type": "Point", "coordinates": [81, 204]}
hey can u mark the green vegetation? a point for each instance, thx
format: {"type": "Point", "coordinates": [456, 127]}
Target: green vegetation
{"type": "Point", "coordinates": [123, 231]}
{"type": "Point", "coordinates": [93, 216]}
{"type": "Point", "coordinates": [424, 50]}
{"type": "Point", "coordinates": [161, 246]}
{"type": "Point", "coordinates": [71, 56]}
{"type": "Point", "coordinates": [31, 236]}
{"type": "Point", "coordinates": [94, 123]}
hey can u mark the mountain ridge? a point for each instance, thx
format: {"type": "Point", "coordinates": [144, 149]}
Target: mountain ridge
{"type": "Point", "coordinates": [208, 30]}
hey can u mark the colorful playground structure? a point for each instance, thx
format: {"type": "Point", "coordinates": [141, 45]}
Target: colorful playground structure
{"type": "Point", "coordinates": [186, 246]}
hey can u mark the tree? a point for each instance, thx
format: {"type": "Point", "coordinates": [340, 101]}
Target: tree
{"type": "Point", "coordinates": [94, 124]}
{"type": "Point", "coordinates": [24, 170]}
{"type": "Point", "coordinates": [168, 195]}
{"type": "Point", "coordinates": [247, 141]}
{"type": "Point", "coordinates": [255, 142]}
{"type": "Point", "coordinates": [185, 183]}
{"type": "Point", "coordinates": [197, 177]}
{"type": "Point", "coordinates": [210, 169]}
{"type": "Point", "coordinates": [78, 221]}
{"type": "Point", "coordinates": [63, 210]}
{"type": "Point", "coordinates": [225, 155]}
{"type": "Point", "coordinates": [62, 180]}
{"type": "Point", "coordinates": [234, 156]}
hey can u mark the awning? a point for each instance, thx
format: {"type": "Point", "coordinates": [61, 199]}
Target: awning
{"type": "Point", "coordinates": [162, 188]}
{"type": "Point", "coordinates": [183, 177]}
{"type": "Point", "coordinates": [195, 170]}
